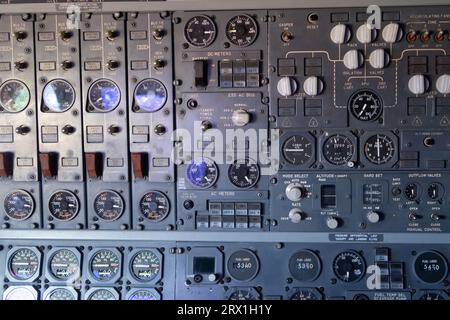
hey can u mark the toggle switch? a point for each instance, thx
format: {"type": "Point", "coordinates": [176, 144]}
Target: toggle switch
{"type": "Point", "coordinates": [66, 35]}
{"type": "Point", "coordinates": [112, 34]}
{"type": "Point", "coordinates": [20, 65]}
{"type": "Point", "coordinates": [158, 34]}
{"type": "Point", "coordinates": [68, 129]}
{"type": "Point", "coordinates": [23, 130]}
{"type": "Point", "coordinates": [67, 64]}
{"type": "Point", "coordinates": [140, 165]}
{"type": "Point", "coordinates": [20, 35]}
{"type": "Point", "coordinates": [48, 164]}
{"type": "Point", "coordinates": [112, 64]}
{"type": "Point", "coordinates": [94, 164]}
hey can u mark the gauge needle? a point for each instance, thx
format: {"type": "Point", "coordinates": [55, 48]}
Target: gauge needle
{"type": "Point", "coordinates": [378, 148]}
{"type": "Point", "coordinates": [246, 178]}
{"type": "Point", "coordinates": [363, 109]}
{"type": "Point", "coordinates": [116, 206]}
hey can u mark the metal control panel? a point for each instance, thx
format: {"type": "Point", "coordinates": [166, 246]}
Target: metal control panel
{"type": "Point", "coordinates": [155, 150]}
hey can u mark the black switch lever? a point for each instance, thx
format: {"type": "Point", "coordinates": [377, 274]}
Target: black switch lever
{"type": "Point", "coordinates": [201, 73]}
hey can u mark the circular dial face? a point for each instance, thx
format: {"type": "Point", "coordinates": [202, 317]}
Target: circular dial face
{"type": "Point", "coordinates": [154, 206]}
{"type": "Point", "coordinates": [338, 149]}
{"type": "Point", "coordinates": [145, 265]}
{"type": "Point", "coordinates": [202, 173]}
{"type": "Point", "coordinates": [430, 267]}
{"type": "Point", "coordinates": [305, 265]}
{"type": "Point", "coordinates": [14, 96]}
{"type": "Point", "coordinates": [379, 149]}
{"type": "Point", "coordinates": [143, 294]}
{"type": "Point", "coordinates": [58, 95]}
{"type": "Point", "coordinates": [412, 191]}
{"type": "Point", "coordinates": [243, 265]}
{"type": "Point", "coordinates": [243, 294]}
{"type": "Point", "coordinates": [242, 30]}
{"type": "Point", "coordinates": [20, 293]}
{"type": "Point", "coordinates": [104, 95]}
{"type": "Point", "coordinates": [432, 296]}
{"type": "Point", "coordinates": [108, 205]}
{"type": "Point", "coordinates": [105, 265]}
{"type": "Point", "coordinates": [349, 266]}
{"type": "Point", "coordinates": [102, 294]}
{"type": "Point", "coordinates": [243, 173]}
{"type": "Point", "coordinates": [297, 150]}
{"type": "Point", "coordinates": [150, 95]}
{"type": "Point", "coordinates": [60, 294]}
{"type": "Point", "coordinates": [23, 264]}
{"type": "Point", "coordinates": [63, 205]}
{"type": "Point", "coordinates": [366, 105]}
{"type": "Point", "coordinates": [305, 294]}
{"type": "Point", "coordinates": [64, 264]}
{"type": "Point", "coordinates": [200, 31]}
{"type": "Point", "coordinates": [19, 205]}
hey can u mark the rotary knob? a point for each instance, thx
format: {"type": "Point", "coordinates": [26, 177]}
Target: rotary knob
{"type": "Point", "coordinates": [353, 59]}
{"type": "Point", "coordinates": [418, 84]}
{"type": "Point", "coordinates": [287, 86]}
{"type": "Point", "coordinates": [379, 59]}
{"type": "Point", "coordinates": [373, 217]}
{"type": "Point", "coordinates": [365, 33]}
{"type": "Point", "coordinates": [295, 215]}
{"type": "Point", "coordinates": [295, 192]}
{"type": "Point", "coordinates": [443, 84]}
{"type": "Point", "coordinates": [332, 223]}
{"type": "Point", "coordinates": [240, 118]}
{"type": "Point", "coordinates": [392, 33]}
{"type": "Point", "coordinates": [340, 34]}
{"type": "Point", "coordinates": [313, 86]}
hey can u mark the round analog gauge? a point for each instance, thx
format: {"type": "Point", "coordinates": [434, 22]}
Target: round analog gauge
{"type": "Point", "coordinates": [243, 265]}
{"type": "Point", "coordinates": [15, 293]}
{"type": "Point", "coordinates": [305, 265]}
{"type": "Point", "coordinates": [202, 173]}
{"type": "Point", "coordinates": [305, 294]}
{"type": "Point", "coordinates": [104, 95]}
{"type": "Point", "coordinates": [23, 264]}
{"type": "Point", "coordinates": [143, 294]}
{"type": "Point", "coordinates": [349, 266]}
{"type": "Point", "coordinates": [338, 149]}
{"type": "Point", "coordinates": [60, 294]}
{"type": "Point", "coordinates": [14, 96]}
{"type": "Point", "coordinates": [150, 95]}
{"type": "Point", "coordinates": [154, 206]}
{"type": "Point", "coordinates": [297, 150]}
{"type": "Point", "coordinates": [244, 173]}
{"type": "Point", "coordinates": [379, 149]}
{"type": "Point", "coordinates": [200, 31]}
{"type": "Point", "coordinates": [102, 294]}
{"type": "Point", "coordinates": [108, 205]}
{"type": "Point", "coordinates": [58, 96]}
{"type": "Point", "coordinates": [19, 205]}
{"type": "Point", "coordinates": [63, 205]}
{"type": "Point", "coordinates": [431, 267]}
{"type": "Point", "coordinates": [366, 106]}
{"type": "Point", "coordinates": [105, 265]}
{"type": "Point", "coordinates": [145, 265]}
{"type": "Point", "coordinates": [244, 294]}
{"type": "Point", "coordinates": [242, 30]}
{"type": "Point", "coordinates": [412, 191]}
{"type": "Point", "coordinates": [64, 264]}
{"type": "Point", "coordinates": [432, 296]}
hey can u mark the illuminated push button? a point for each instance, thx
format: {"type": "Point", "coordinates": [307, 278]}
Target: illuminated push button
{"type": "Point", "coordinates": [340, 34]}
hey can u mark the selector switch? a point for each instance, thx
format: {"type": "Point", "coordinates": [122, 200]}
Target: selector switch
{"type": "Point", "coordinates": [353, 59]}
{"type": "Point", "coordinates": [295, 192]}
{"type": "Point", "coordinates": [240, 118]}
{"type": "Point", "coordinates": [287, 86]}
{"type": "Point", "coordinates": [340, 34]}
{"type": "Point", "coordinates": [313, 86]}
{"type": "Point", "coordinates": [295, 215]}
{"type": "Point", "coordinates": [379, 59]}
{"type": "Point", "coordinates": [365, 33]}
{"type": "Point", "coordinates": [392, 33]}
{"type": "Point", "coordinates": [418, 84]}
{"type": "Point", "coordinates": [443, 84]}
{"type": "Point", "coordinates": [332, 223]}
{"type": "Point", "coordinates": [373, 217]}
